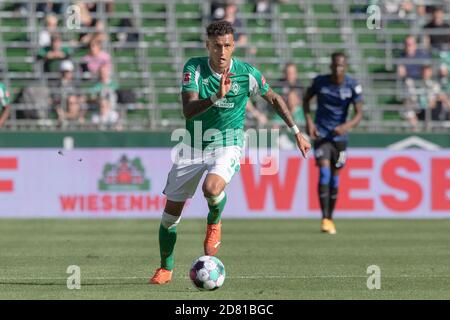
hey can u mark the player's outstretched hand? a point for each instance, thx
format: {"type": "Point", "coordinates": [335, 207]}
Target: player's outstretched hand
{"type": "Point", "coordinates": [340, 130]}
{"type": "Point", "coordinates": [303, 145]}
{"type": "Point", "coordinates": [225, 84]}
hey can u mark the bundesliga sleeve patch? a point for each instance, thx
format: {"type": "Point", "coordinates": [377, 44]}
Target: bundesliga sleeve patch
{"type": "Point", "coordinates": [186, 78]}
{"type": "Point", "coordinates": [263, 80]}
{"type": "Point", "coordinates": [358, 89]}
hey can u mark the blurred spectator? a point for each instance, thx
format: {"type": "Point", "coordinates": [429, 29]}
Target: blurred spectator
{"type": "Point", "coordinates": [290, 87]}
{"type": "Point", "coordinates": [21, 8]}
{"type": "Point", "coordinates": [87, 9]}
{"type": "Point", "coordinates": [130, 33]}
{"type": "Point", "coordinates": [256, 115]}
{"type": "Point", "coordinates": [411, 69]}
{"type": "Point", "coordinates": [428, 100]}
{"type": "Point", "coordinates": [54, 54]}
{"type": "Point", "coordinates": [98, 34]}
{"type": "Point", "coordinates": [217, 10]}
{"type": "Point", "coordinates": [261, 9]}
{"type": "Point", "coordinates": [95, 28]}
{"type": "Point", "coordinates": [230, 15]}
{"type": "Point", "coordinates": [36, 98]}
{"type": "Point", "coordinates": [4, 104]}
{"type": "Point", "coordinates": [294, 108]}
{"type": "Point", "coordinates": [104, 94]}
{"type": "Point", "coordinates": [45, 35]}
{"type": "Point", "coordinates": [50, 7]}
{"type": "Point", "coordinates": [438, 41]}
{"type": "Point", "coordinates": [68, 101]}
{"type": "Point", "coordinates": [445, 86]}
{"type": "Point", "coordinates": [262, 6]}
{"type": "Point", "coordinates": [414, 59]}
{"type": "Point", "coordinates": [95, 59]}
{"type": "Point", "coordinates": [444, 59]}
{"type": "Point", "coordinates": [291, 90]}
{"type": "Point", "coordinates": [402, 8]}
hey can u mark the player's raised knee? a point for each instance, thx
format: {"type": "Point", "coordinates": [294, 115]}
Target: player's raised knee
{"type": "Point", "coordinates": [212, 189]}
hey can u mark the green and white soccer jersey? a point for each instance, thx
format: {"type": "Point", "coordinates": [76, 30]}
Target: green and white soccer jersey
{"type": "Point", "coordinates": [227, 115]}
{"type": "Point", "coordinates": [4, 96]}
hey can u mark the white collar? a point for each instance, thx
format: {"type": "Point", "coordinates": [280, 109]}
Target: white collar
{"type": "Point", "coordinates": [218, 75]}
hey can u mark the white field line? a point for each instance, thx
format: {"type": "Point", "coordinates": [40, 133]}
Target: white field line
{"type": "Point", "coordinates": [231, 277]}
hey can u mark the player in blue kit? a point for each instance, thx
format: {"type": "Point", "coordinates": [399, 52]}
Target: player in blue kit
{"type": "Point", "coordinates": [335, 92]}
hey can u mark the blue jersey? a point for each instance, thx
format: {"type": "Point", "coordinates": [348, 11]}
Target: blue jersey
{"type": "Point", "coordinates": [333, 102]}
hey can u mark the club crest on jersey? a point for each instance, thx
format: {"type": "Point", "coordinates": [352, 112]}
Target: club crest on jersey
{"type": "Point", "coordinates": [345, 93]}
{"type": "Point", "coordinates": [186, 77]}
{"type": "Point", "coordinates": [235, 88]}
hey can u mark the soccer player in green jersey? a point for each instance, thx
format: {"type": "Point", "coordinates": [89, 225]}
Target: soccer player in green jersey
{"type": "Point", "coordinates": [215, 91]}
{"type": "Point", "coordinates": [4, 104]}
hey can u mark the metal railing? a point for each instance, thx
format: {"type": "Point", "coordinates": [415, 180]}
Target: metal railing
{"type": "Point", "coordinates": [312, 53]}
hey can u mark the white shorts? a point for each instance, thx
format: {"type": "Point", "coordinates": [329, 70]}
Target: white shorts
{"type": "Point", "coordinates": [185, 174]}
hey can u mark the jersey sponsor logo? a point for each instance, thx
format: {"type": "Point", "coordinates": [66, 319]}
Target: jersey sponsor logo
{"type": "Point", "coordinates": [222, 103]}
{"type": "Point", "coordinates": [186, 78]}
{"type": "Point", "coordinates": [235, 88]}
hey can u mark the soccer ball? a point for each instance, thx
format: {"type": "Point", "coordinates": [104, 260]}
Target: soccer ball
{"type": "Point", "coordinates": [207, 273]}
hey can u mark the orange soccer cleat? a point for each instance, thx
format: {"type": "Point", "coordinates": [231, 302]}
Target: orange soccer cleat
{"type": "Point", "coordinates": [161, 276]}
{"type": "Point", "coordinates": [328, 226]}
{"type": "Point", "coordinates": [212, 240]}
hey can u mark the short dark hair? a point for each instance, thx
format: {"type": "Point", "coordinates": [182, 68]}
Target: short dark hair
{"type": "Point", "coordinates": [437, 8]}
{"type": "Point", "coordinates": [335, 55]}
{"type": "Point", "coordinates": [219, 28]}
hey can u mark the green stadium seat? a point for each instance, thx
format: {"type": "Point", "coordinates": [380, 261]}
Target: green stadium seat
{"type": "Point", "coordinates": [152, 23]}
{"type": "Point", "coordinates": [187, 7]}
{"type": "Point", "coordinates": [302, 53]}
{"type": "Point", "coordinates": [194, 52]}
{"type": "Point", "coordinates": [293, 23]}
{"type": "Point", "coordinates": [290, 8]}
{"type": "Point", "coordinates": [153, 7]}
{"type": "Point", "coordinates": [162, 67]}
{"type": "Point", "coordinates": [331, 38]}
{"type": "Point", "coordinates": [297, 38]}
{"type": "Point", "coordinates": [121, 7]}
{"type": "Point", "coordinates": [324, 8]}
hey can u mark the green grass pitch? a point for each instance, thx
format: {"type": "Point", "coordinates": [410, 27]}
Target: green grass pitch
{"type": "Point", "coordinates": [264, 259]}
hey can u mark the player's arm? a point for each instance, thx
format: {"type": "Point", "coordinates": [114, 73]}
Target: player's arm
{"type": "Point", "coordinates": [357, 101]}
{"type": "Point", "coordinates": [310, 126]}
{"type": "Point", "coordinates": [278, 104]}
{"type": "Point", "coordinates": [193, 106]}
{"type": "Point", "coordinates": [4, 115]}
{"type": "Point", "coordinates": [353, 122]}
